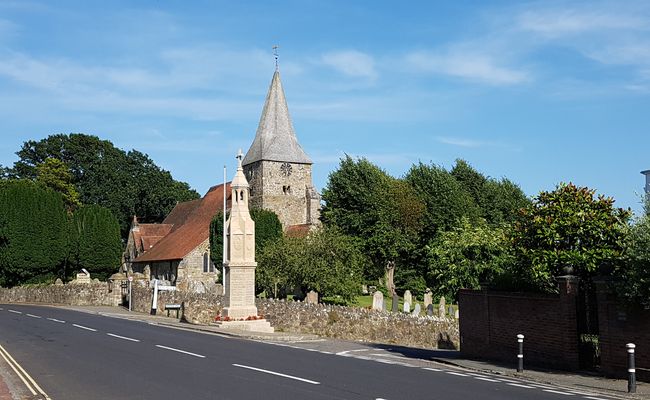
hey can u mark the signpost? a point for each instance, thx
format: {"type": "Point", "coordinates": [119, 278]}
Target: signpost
{"type": "Point", "coordinates": [130, 297]}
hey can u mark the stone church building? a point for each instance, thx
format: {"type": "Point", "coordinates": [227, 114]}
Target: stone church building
{"type": "Point", "coordinates": [279, 173]}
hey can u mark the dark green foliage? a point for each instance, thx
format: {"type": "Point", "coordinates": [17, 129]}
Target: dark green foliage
{"type": "Point", "coordinates": [95, 241]}
{"type": "Point", "coordinates": [633, 275]}
{"type": "Point", "coordinates": [567, 228]}
{"type": "Point", "coordinates": [465, 257]}
{"type": "Point", "coordinates": [54, 174]}
{"type": "Point", "coordinates": [126, 183]}
{"type": "Point", "coordinates": [267, 229]}
{"type": "Point", "coordinates": [33, 232]}
{"type": "Point", "coordinates": [325, 261]}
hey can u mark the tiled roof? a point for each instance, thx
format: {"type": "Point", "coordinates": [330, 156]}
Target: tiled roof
{"type": "Point", "coordinates": [192, 231]}
{"type": "Point", "coordinates": [300, 230]}
{"type": "Point", "coordinates": [146, 235]}
{"type": "Point", "coordinates": [275, 139]}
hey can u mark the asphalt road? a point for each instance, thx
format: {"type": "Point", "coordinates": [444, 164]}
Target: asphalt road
{"type": "Point", "coordinates": [74, 355]}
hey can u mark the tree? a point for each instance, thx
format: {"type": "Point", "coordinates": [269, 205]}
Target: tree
{"type": "Point", "coordinates": [567, 230]}
{"type": "Point", "coordinates": [54, 174]}
{"type": "Point", "coordinates": [467, 256]}
{"type": "Point", "coordinates": [33, 232]}
{"type": "Point", "coordinates": [381, 213]}
{"type": "Point", "coordinates": [633, 274]}
{"type": "Point", "coordinates": [126, 183]}
{"type": "Point", "coordinates": [95, 241]}
{"type": "Point", "coordinates": [325, 261]}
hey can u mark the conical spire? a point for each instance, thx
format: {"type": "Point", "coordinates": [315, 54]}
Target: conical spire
{"type": "Point", "coordinates": [275, 139]}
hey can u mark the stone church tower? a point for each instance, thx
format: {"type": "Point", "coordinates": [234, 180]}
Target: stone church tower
{"type": "Point", "coordinates": [277, 168]}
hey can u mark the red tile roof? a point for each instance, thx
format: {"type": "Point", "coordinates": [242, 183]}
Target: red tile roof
{"type": "Point", "coordinates": [191, 227]}
{"type": "Point", "coordinates": [146, 235]}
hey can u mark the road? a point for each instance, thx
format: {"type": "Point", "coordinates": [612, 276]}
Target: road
{"type": "Point", "coordinates": [74, 355]}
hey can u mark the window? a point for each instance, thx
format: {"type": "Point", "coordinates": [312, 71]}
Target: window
{"type": "Point", "coordinates": [206, 262]}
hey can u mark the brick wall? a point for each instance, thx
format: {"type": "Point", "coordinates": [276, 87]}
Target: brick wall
{"type": "Point", "coordinates": [618, 326]}
{"type": "Point", "coordinates": [490, 322]}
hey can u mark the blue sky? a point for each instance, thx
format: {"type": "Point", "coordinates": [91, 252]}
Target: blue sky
{"type": "Point", "coordinates": [538, 92]}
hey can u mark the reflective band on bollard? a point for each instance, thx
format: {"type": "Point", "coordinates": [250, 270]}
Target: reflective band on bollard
{"type": "Point", "coordinates": [631, 378]}
{"type": "Point", "coordinates": [520, 356]}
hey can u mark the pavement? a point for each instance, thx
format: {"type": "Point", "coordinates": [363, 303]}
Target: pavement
{"type": "Point", "coordinates": [11, 388]}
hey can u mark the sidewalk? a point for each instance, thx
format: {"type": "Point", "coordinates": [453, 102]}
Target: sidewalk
{"type": "Point", "coordinates": [616, 388]}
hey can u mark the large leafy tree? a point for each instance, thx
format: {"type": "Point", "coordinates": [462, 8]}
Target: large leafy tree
{"type": "Point", "coordinates": [126, 183]}
{"type": "Point", "coordinates": [382, 213]}
{"type": "Point", "coordinates": [95, 241]}
{"type": "Point", "coordinates": [567, 230]}
{"type": "Point", "coordinates": [55, 174]}
{"type": "Point", "coordinates": [325, 261]}
{"type": "Point", "coordinates": [467, 256]}
{"type": "Point", "coordinates": [633, 275]}
{"type": "Point", "coordinates": [33, 232]}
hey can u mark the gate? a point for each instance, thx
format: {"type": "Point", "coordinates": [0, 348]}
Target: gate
{"type": "Point", "coordinates": [124, 290]}
{"type": "Point", "coordinates": [588, 333]}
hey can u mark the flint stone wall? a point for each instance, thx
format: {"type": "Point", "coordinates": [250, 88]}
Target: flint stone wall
{"type": "Point", "coordinates": [89, 294]}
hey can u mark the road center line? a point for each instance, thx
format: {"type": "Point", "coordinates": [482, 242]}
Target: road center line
{"type": "Point", "coordinates": [434, 369]}
{"type": "Point", "coordinates": [277, 374]}
{"type": "Point", "coordinates": [122, 337]}
{"type": "Point", "coordinates": [519, 385]}
{"type": "Point", "coordinates": [56, 320]}
{"type": "Point", "coordinates": [455, 373]}
{"type": "Point", "coordinates": [33, 316]}
{"type": "Point", "coordinates": [15, 312]}
{"type": "Point", "coordinates": [342, 353]}
{"type": "Point", "coordinates": [180, 351]}
{"type": "Point", "coordinates": [485, 379]}
{"type": "Point", "coordinates": [84, 327]}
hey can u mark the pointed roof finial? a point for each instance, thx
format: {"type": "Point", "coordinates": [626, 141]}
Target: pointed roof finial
{"type": "Point", "coordinates": [239, 157]}
{"type": "Point", "coordinates": [275, 54]}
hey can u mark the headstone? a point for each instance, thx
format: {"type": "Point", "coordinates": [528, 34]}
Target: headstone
{"type": "Point", "coordinates": [428, 298]}
{"type": "Point", "coordinates": [312, 297]}
{"type": "Point", "coordinates": [372, 289]}
{"type": "Point", "coordinates": [378, 301]}
{"type": "Point", "coordinates": [364, 289]}
{"type": "Point", "coordinates": [442, 310]}
{"type": "Point", "coordinates": [395, 305]}
{"type": "Point", "coordinates": [430, 310]}
{"type": "Point", "coordinates": [147, 273]}
{"type": "Point", "coordinates": [58, 282]}
{"type": "Point", "coordinates": [407, 307]}
{"type": "Point", "coordinates": [451, 311]}
{"type": "Point", "coordinates": [457, 314]}
{"type": "Point", "coordinates": [416, 310]}
{"type": "Point", "coordinates": [408, 298]}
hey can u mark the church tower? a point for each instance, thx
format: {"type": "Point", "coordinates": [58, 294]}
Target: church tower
{"type": "Point", "coordinates": [277, 168]}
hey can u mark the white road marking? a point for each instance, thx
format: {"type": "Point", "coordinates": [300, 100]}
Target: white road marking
{"type": "Point", "coordinates": [180, 351]}
{"type": "Point", "coordinates": [455, 373]}
{"type": "Point", "coordinates": [594, 398]}
{"type": "Point", "coordinates": [520, 385]}
{"type": "Point", "coordinates": [123, 337]}
{"type": "Point", "coordinates": [84, 327]}
{"type": "Point", "coordinates": [434, 369]}
{"type": "Point", "coordinates": [24, 376]}
{"type": "Point", "coordinates": [33, 316]}
{"type": "Point", "coordinates": [485, 379]}
{"type": "Point", "coordinates": [387, 355]}
{"type": "Point", "coordinates": [342, 353]}
{"type": "Point", "coordinates": [56, 320]}
{"type": "Point", "coordinates": [558, 392]}
{"type": "Point", "coordinates": [277, 374]}
{"type": "Point", "coordinates": [15, 312]}
{"type": "Point", "coordinates": [508, 380]}
{"type": "Point", "coordinates": [2, 309]}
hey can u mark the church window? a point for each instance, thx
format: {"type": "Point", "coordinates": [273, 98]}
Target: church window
{"type": "Point", "coordinates": [286, 189]}
{"type": "Point", "coordinates": [206, 262]}
{"type": "Point", "coordinates": [286, 168]}
{"type": "Point", "coordinates": [241, 195]}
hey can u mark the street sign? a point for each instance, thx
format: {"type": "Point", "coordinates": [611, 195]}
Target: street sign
{"type": "Point", "coordinates": [166, 287]}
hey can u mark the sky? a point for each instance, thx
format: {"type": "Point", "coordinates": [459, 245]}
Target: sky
{"type": "Point", "coordinates": [536, 92]}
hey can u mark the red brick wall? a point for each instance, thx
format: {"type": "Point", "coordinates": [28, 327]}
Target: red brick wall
{"type": "Point", "coordinates": [618, 326]}
{"type": "Point", "coordinates": [490, 322]}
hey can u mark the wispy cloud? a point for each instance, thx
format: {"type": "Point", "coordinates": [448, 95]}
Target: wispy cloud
{"type": "Point", "coordinates": [467, 64]}
{"type": "Point", "coordinates": [473, 143]}
{"type": "Point", "coordinates": [352, 63]}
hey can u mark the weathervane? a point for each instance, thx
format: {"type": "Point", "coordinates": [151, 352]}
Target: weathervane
{"type": "Point", "coordinates": [275, 54]}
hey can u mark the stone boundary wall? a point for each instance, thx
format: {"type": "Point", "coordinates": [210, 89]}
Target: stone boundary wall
{"type": "Point", "coordinates": [89, 294]}
{"type": "Point", "coordinates": [349, 323]}
{"type": "Point", "coordinates": [490, 322]}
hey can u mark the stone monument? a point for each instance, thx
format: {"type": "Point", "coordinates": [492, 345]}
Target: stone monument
{"type": "Point", "coordinates": [239, 310]}
{"type": "Point", "coordinates": [378, 301]}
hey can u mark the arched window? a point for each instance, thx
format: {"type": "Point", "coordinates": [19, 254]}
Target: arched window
{"type": "Point", "coordinates": [206, 262]}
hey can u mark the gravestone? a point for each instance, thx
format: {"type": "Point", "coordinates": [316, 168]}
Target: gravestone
{"type": "Point", "coordinates": [430, 310]}
{"type": "Point", "coordinates": [395, 305]}
{"type": "Point", "coordinates": [312, 297]}
{"type": "Point", "coordinates": [58, 282]}
{"type": "Point", "coordinates": [408, 298]}
{"type": "Point", "coordinates": [407, 307]}
{"type": "Point", "coordinates": [442, 311]}
{"type": "Point", "coordinates": [451, 311]}
{"type": "Point", "coordinates": [416, 310]}
{"type": "Point", "coordinates": [457, 314]}
{"type": "Point", "coordinates": [428, 298]}
{"type": "Point", "coordinates": [378, 301]}
{"type": "Point", "coordinates": [364, 289]}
